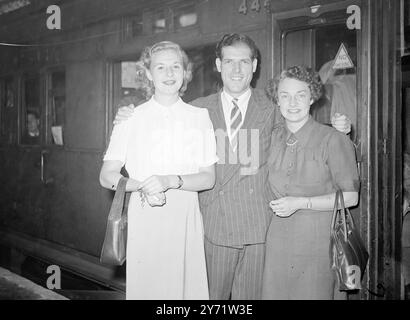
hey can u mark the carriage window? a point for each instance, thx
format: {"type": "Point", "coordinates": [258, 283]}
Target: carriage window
{"type": "Point", "coordinates": [56, 107]}
{"type": "Point", "coordinates": [185, 16]}
{"type": "Point", "coordinates": [126, 89]}
{"type": "Point", "coordinates": [8, 111]}
{"type": "Point", "coordinates": [31, 115]}
{"type": "Point", "coordinates": [160, 22]}
{"type": "Point", "coordinates": [206, 79]}
{"type": "Point", "coordinates": [332, 51]}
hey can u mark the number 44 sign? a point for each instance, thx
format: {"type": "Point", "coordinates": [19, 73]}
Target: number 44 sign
{"type": "Point", "coordinates": [255, 6]}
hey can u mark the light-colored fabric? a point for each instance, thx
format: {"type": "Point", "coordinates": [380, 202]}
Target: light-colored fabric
{"type": "Point", "coordinates": [343, 92]}
{"type": "Point", "coordinates": [235, 273]}
{"type": "Point", "coordinates": [165, 250]}
{"type": "Point", "coordinates": [227, 106]}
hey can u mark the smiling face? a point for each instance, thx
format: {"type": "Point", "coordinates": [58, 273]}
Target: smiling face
{"type": "Point", "coordinates": [236, 67]}
{"type": "Point", "coordinates": [294, 100]}
{"type": "Point", "coordinates": [166, 72]}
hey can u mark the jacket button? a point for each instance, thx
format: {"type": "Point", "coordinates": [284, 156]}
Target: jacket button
{"type": "Point", "coordinates": [221, 193]}
{"type": "Point", "coordinates": [250, 191]}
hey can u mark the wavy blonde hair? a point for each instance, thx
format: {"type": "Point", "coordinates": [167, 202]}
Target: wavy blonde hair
{"type": "Point", "coordinates": [144, 64]}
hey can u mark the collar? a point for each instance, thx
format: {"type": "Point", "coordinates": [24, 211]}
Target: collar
{"type": "Point", "coordinates": [241, 99]}
{"type": "Point", "coordinates": [165, 108]}
{"type": "Point", "coordinates": [303, 134]}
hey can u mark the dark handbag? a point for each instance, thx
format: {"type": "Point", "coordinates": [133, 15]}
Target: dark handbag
{"type": "Point", "coordinates": [348, 254]}
{"type": "Point", "coordinates": [115, 242]}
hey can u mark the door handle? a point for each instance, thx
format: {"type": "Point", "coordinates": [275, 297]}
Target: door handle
{"type": "Point", "coordinates": [43, 178]}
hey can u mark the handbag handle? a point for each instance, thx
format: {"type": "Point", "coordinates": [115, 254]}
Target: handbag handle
{"type": "Point", "coordinates": [339, 200]}
{"type": "Point", "coordinates": [119, 204]}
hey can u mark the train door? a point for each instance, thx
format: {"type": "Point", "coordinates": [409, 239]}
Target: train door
{"type": "Point", "coordinates": [32, 132]}
{"type": "Point", "coordinates": [26, 194]}
{"type": "Point", "coordinates": [319, 38]}
{"type": "Point", "coordinates": [354, 46]}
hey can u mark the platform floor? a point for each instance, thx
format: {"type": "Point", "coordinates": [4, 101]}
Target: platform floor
{"type": "Point", "coordinates": [15, 287]}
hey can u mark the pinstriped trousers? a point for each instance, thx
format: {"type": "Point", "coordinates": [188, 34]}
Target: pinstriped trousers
{"type": "Point", "coordinates": [235, 272]}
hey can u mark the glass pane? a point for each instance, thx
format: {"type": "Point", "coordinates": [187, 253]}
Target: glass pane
{"type": "Point", "coordinates": [336, 61]}
{"type": "Point", "coordinates": [57, 106]}
{"type": "Point", "coordinates": [31, 112]}
{"type": "Point", "coordinates": [321, 48]}
{"type": "Point", "coordinates": [206, 80]}
{"type": "Point", "coordinates": [406, 28]}
{"type": "Point", "coordinates": [159, 22]}
{"type": "Point", "coordinates": [188, 19]}
{"type": "Point", "coordinates": [8, 111]}
{"type": "Point", "coordinates": [130, 91]}
{"type": "Point", "coordinates": [298, 48]}
{"type": "Point", "coordinates": [9, 94]}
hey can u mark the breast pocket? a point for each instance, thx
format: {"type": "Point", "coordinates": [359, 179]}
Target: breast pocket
{"type": "Point", "coordinates": [311, 170]}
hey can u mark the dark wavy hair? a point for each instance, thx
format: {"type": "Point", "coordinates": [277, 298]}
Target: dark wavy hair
{"type": "Point", "coordinates": [230, 39]}
{"type": "Point", "coordinates": [300, 73]}
{"type": "Point", "coordinates": [144, 64]}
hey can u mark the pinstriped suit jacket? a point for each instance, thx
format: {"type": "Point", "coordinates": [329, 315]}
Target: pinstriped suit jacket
{"type": "Point", "coordinates": [236, 211]}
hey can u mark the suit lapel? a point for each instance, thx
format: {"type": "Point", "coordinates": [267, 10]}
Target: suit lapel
{"type": "Point", "coordinates": [218, 120]}
{"type": "Point", "coordinates": [216, 113]}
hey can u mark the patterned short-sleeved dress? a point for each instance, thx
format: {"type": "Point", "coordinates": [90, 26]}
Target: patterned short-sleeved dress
{"type": "Point", "coordinates": [314, 161]}
{"type": "Point", "coordinates": [165, 249]}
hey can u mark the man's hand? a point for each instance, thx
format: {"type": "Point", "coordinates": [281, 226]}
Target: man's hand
{"type": "Point", "coordinates": [124, 113]}
{"type": "Point", "coordinates": [341, 123]}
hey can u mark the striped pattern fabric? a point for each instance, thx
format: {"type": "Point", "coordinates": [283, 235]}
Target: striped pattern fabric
{"type": "Point", "coordinates": [239, 276]}
{"type": "Point", "coordinates": [235, 123]}
{"type": "Point", "coordinates": [236, 211]}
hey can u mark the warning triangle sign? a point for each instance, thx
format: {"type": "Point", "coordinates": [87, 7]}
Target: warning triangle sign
{"type": "Point", "coordinates": [342, 60]}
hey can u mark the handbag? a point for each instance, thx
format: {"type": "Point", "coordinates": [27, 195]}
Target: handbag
{"type": "Point", "coordinates": [115, 242]}
{"type": "Point", "coordinates": [348, 254]}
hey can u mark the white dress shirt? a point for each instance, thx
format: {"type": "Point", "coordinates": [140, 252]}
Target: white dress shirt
{"type": "Point", "coordinates": [227, 107]}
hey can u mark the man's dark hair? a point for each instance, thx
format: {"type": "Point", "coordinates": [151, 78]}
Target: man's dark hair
{"type": "Point", "coordinates": [231, 39]}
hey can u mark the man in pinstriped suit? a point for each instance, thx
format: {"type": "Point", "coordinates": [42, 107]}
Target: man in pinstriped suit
{"type": "Point", "coordinates": [236, 211]}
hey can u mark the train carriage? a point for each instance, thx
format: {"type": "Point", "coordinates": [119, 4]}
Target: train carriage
{"type": "Point", "coordinates": [67, 65]}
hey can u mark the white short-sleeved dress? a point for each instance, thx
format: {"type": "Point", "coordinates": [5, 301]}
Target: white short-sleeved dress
{"type": "Point", "coordinates": [165, 250]}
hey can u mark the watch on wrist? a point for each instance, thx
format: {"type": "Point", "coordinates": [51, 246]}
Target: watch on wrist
{"type": "Point", "coordinates": [180, 182]}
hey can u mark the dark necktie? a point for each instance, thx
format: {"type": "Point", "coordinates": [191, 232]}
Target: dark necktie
{"type": "Point", "coordinates": [236, 121]}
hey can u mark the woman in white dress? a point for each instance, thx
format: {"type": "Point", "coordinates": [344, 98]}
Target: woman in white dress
{"type": "Point", "coordinates": [168, 149]}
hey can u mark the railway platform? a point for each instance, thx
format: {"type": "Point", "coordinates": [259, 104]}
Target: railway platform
{"type": "Point", "coordinates": [15, 287]}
